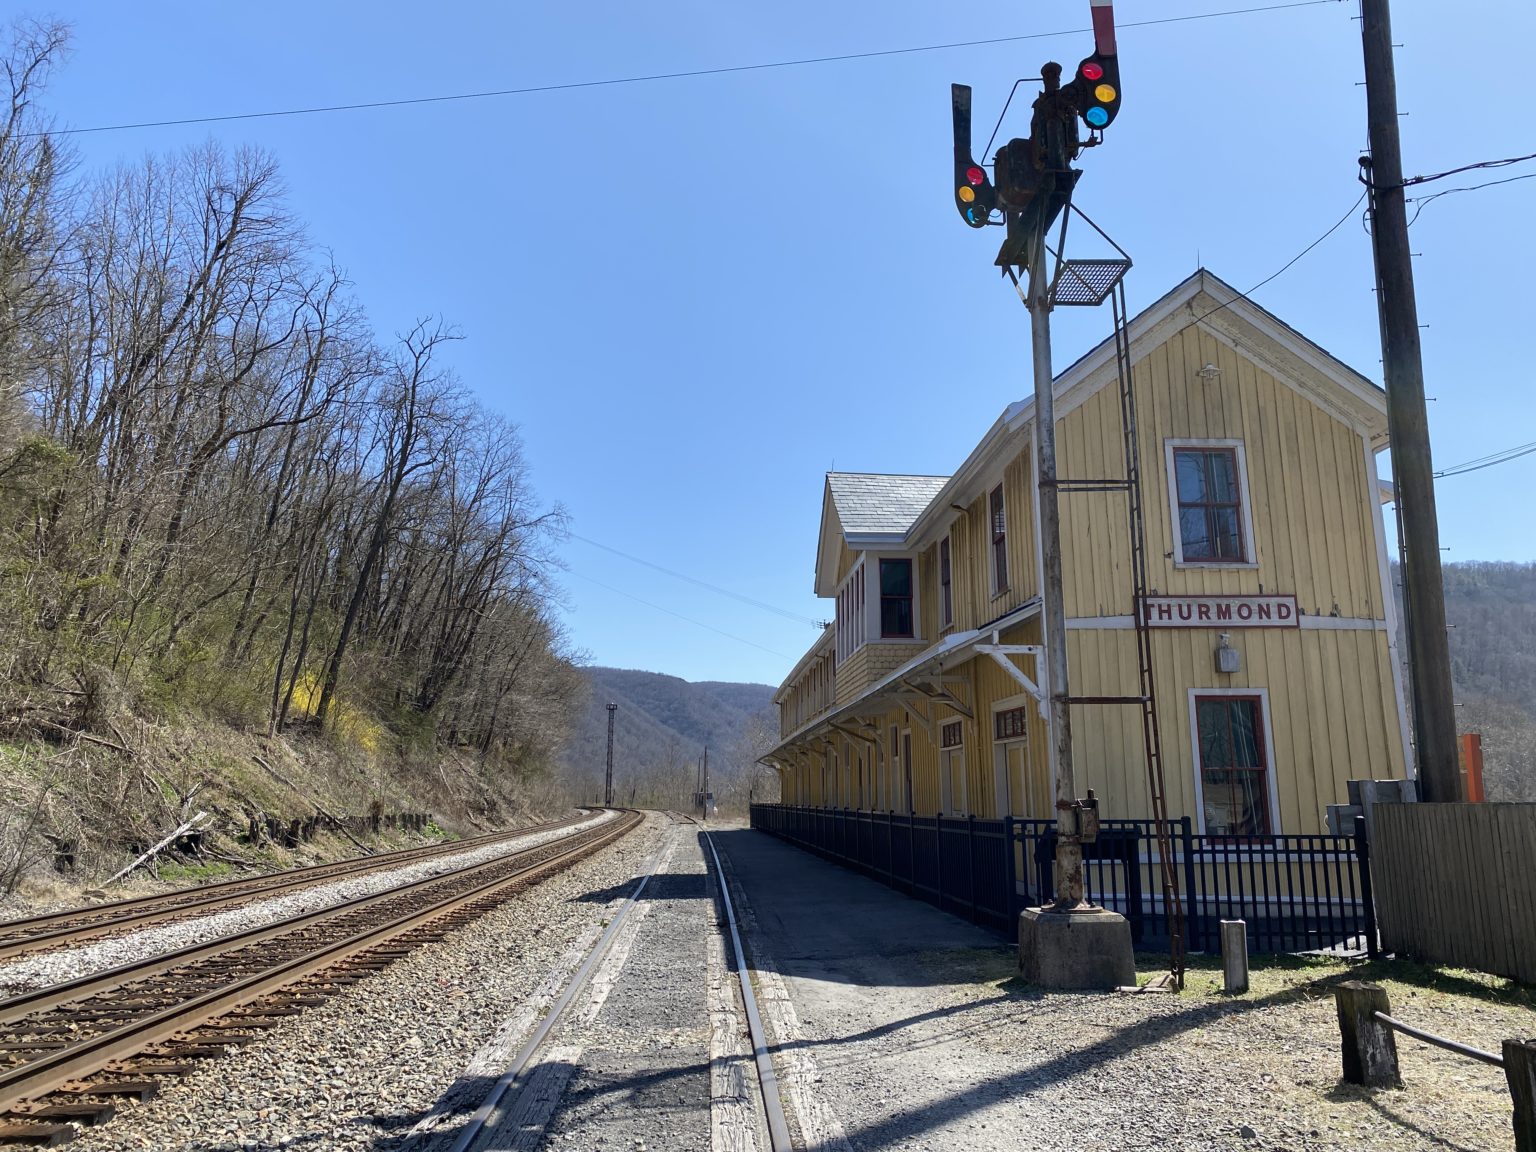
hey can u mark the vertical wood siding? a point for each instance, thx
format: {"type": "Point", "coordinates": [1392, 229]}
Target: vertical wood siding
{"type": "Point", "coordinates": [1470, 899]}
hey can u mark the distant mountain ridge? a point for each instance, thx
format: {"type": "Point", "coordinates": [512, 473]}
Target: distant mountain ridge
{"type": "Point", "coordinates": [661, 728]}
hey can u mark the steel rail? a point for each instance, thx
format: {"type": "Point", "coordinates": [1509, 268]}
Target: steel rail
{"type": "Point", "coordinates": [515, 1074]}
{"type": "Point", "coordinates": [95, 983]}
{"type": "Point", "coordinates": [48, 1072]}
{"type": "Point", "coordinates": [137, 912]}
{"type": "Point", "coordinates": [768, 1081]}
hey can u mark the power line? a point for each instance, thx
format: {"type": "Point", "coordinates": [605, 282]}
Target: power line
{"type": "Point", "coordinates": [1286, 266]}
{"type": "Point", "coordinates": [680, 616]}
{"type": "Point", "coordinates": [1482, 462]}
{"type": "Point", "coordinates": [795, 616]}
{"type": "Point", "coordinates": [1505, 163]}
{"type": "Point", "coordinates": [657, 76]}
{"type": "Point", "coordinates": [1423, 201]}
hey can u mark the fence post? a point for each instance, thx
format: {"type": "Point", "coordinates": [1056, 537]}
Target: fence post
{"type": "Point", "coordinates": [1193, 922]}
{"type": "Point", "coordinates": [1234, 955]}
{"type": "Point", "coordinates": [970, 857]}
{"type": "Point", "coordinates": [1011, 875]}
{"type": "Point", "coordinates": [1520, 1070]}
{"type": "Point", "coordinates": [1369, 1048]}
{"type": "Point", "coordinates": [1367, 899]}
{"type": "Point", "coordinates": [938, 858]}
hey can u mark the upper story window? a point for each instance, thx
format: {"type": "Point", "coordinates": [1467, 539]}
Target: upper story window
{"type": "Point", "coordinates": [1210, 503]}
{"type": "Point", "coordinates": [999, 520]}
{"type": "Point", "coordinates": [946, 588]}
{"type": "Point", "coordinates": [896, 598]}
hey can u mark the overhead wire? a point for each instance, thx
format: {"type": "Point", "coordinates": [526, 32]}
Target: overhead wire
{"type": "Point", "coordinates": [1423, 201]}
{"type": "Point", "coordinates": [680, 616]}
{"type": "Point", "coordinates": [652, 77]}
{"type": "Point", "coordinates": [766, 607]}
{"type": "Point", "coordinates": [1505, 163]}
{"type": "Point", "coordinates": [1287, 265]}
{"type": "Point", "coordinates": [1489, 461]}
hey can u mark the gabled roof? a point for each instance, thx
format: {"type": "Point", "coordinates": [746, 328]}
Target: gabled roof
{"type": "Point", "coordinates": [1203, 298]}
{"type": "Point", "coordinates": [867, 510]}
{"type": "Point", "coordinates": [868, 502]}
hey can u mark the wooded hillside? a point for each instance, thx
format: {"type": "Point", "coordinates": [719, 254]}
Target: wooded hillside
{"type": "Point", "coordinates": [660, 731]}
{"type": "Point", "coordinates": [1491, 608]}
{"type": "Point", "coordinates": [224, 497]}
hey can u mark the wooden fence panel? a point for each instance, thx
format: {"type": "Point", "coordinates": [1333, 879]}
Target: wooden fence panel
{"type": "Point", "coordinates": [1456, 884]}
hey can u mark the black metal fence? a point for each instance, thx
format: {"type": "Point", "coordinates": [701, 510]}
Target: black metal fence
{"type": "Point", "coordinates": [1297, 893]}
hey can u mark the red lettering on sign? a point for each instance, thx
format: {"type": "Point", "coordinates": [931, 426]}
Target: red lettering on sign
{"type": "Point", "coordinates": [1266, 611]}
{"type": "Point", "coordinates": [1282, 611]}
{"type": "Point", "coordinates": [1245, 611]}
{"type": "Point", "coordinates": [1223, 611]}
{"type": "Point", "coordinates": [1186, 612]}
{"type": "Point", "coordinates": [1204, 610]}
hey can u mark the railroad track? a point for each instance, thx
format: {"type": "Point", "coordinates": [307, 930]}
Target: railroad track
{"type": "Point", "coordinates": [68, 1050]}
{"type": "Point", "coordinates": [476, 1133]}
{"type": "Point", "coordinates": [63, 929]}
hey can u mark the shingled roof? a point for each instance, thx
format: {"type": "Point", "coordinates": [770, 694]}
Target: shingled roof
{"type": "Point", "coordinates": [878, 504]}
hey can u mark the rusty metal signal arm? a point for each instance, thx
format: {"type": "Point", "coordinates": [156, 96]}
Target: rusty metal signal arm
{"type": "Point", "coordinates": [1032, 177]}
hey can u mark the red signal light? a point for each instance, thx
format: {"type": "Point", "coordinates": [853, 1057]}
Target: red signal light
{"type": "Point", "coordinates": [1092, 71]}
{"type": "Point", "coordinates": [975, 175]}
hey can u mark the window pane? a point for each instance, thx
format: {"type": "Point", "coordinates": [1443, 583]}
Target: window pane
{"type": "Point", "coordinates": [1223, 477]}
{"type": "Point", "coordinates": [1235, 803]}
{"type": "Point", "coordinates": [896, 617]}
{"type": "Point", "coordinates": [1215, 734]}
{"type": "Point", "coordinates": [1245, 736]}
{"type": "Point", "coordinates": [895, 577]}
{"type": "Point", "coordinates": [1195, 532]}
{"type": "Point", "coordinates": [1225, 537]}
{"type": "Point", "coordinates": [1190, 470]}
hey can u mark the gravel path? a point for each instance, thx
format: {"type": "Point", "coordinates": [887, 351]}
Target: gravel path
{"type": "Point", "coordinates": [360, 1071]}
{"type": "Point", "coordinates": [46, 968]}
{"type": "Point", "coordinates": [913, 1032]}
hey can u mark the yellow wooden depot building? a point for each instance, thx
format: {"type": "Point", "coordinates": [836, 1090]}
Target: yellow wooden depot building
{"type": "Point", "coordinates": [1270, 608]}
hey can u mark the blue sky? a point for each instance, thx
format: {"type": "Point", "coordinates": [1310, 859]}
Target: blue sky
{"type": "Point", "coordinates": [695, 296]}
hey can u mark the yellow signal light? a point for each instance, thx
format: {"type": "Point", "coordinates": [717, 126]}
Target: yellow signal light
{"type": "Point", "coordinates": [1105, 94]}
{"type": "Point", "coordinates": [966, 193]}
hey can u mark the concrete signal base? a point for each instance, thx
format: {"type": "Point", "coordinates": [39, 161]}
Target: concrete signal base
{"type": "Point", "coordinates": [1086, 949]}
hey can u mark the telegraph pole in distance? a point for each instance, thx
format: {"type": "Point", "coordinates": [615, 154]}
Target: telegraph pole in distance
{"type": "Point", "coordinates": [608, 781]}
{"type": "Point", "coordinates": [1429, 655]}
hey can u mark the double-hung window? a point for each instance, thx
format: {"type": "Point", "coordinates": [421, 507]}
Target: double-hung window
{"type": "Point", "coordinates": [946, 589]}
{"type": "Point", "coordinates": [1210, 506]}
{"type": "Point", "coordinates": [896, 598]}
{"type": "Point", "coordinates": [997, 515]}
{"type": "Point", "coordinates": [1234, 772]}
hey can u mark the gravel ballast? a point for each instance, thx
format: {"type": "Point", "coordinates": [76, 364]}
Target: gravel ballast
{"type": "Point", "coordinates": [55, 967]}
{"type": "Point", "coordinates": [911, 1030]}
{"type": "Point", "coordinates": [360, 1071]}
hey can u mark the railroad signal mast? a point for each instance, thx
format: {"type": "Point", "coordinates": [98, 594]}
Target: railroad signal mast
{"type": "Point", "coordinates": [1030, 188]}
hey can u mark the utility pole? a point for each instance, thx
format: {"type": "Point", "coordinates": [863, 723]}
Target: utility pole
{"type": "Point", "coordinates": [704, 796]}
{"type": "Point", "coordinates": [1429, 657]}
{"type": "Point", "coordinates": [1069, 849]}
{"type": "Point", "coordinates": [608, 781]}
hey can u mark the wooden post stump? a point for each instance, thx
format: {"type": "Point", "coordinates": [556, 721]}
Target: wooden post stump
{"type": "Point", "coordinates": [1520, 1070]}
{"type": "Point", "coordinates": [1370, 1050]}
{"type": "Point", "coordinates": [1234, 955]}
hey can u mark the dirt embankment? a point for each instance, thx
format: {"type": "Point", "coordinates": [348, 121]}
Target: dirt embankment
{"type": "Point", "coordinates": [73, 814]}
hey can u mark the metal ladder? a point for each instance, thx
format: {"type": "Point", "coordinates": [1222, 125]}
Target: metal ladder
{"type": "Point", "coordinates": [1088, 283]}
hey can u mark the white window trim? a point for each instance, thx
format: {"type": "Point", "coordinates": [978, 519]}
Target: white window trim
{"type": "Point", "coordinates": [1002, 786]}
{"type": "Point", "coordinates": [945, 791]}
{"type": "Point", "coordinates": [873, 622]}
{"type": "Point", "coordinates": [1244, 491]}
{"type": "Point", "coordinates": [1269, 752]}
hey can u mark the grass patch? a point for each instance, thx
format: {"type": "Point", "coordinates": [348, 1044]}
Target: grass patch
{"type": "Point", "coordinates": [176, 872]}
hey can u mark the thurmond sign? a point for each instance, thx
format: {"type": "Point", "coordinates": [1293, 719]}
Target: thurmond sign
{"type": "Point", "coordinates": [1220, 611]}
